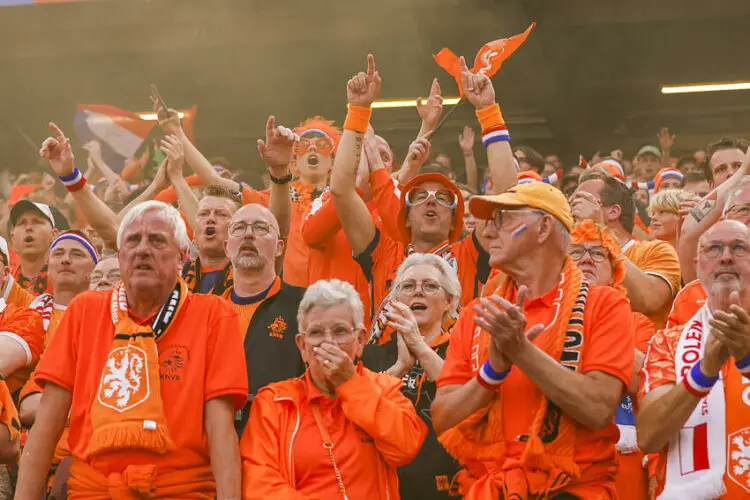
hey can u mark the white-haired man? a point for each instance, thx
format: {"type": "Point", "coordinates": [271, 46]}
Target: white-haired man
{"type": "Point", "coordinates": [694, 406]}
{"type": "Point", "coordinates": [529, 411]}
{"type": "Point", "coordinates": [143, 421]}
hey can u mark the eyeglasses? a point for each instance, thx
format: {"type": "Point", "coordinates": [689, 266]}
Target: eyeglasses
{"type": "Point", "coordinates": [428, 287]}
{"type": "Point", "coordinates": [113, 275]}
{"type": "Point", "coordinates": [323, 145]}
{"type": "Point", "coordinates": [597, 254]}
{"type": "Point", "coordinates": [239, 229]}
{"type": "Point", "coordinates": [497, 217]}
{"type": "Point", "coordinates": [338, 333]}
{"type": "Point", "coordinates": [715, 249]}
{"type": "Point", "coordinates": [444, 197]}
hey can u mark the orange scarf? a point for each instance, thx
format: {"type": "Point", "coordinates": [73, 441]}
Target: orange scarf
{"type": "Point", "coordinates": [547, 463]}
{"type": "Point", "coordinates": [128, 411]}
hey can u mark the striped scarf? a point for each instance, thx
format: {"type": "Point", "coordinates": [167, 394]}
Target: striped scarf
{"type": "Point", "coordinates": [547, 463]}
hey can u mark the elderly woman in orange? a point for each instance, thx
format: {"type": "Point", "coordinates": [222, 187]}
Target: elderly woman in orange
{"type": "Point", "coordinates": [664, 210]}
{"type": "Point", "coordinates": [424, 299]}
{"type": "Point", "coordinates": [598, 255]}
{"type": "Point", "coordinates": [338, 431]}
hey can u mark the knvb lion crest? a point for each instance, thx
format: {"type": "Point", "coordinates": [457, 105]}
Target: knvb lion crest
{"type": "Point", "coordinates": [125, 382]}
{"type": "Point", "coordinates": [277, 328]}
{"type": "Point", "coordinates": [738, 457]}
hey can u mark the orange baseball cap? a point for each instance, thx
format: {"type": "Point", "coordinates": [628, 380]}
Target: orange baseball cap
{"type": "Point", "coordinates": [458, 212]}
{"type": "Point", "coordinates": [538, 195]}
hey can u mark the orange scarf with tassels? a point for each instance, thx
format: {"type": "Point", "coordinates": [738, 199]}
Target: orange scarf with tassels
{"type": "Point", "coordinates": [547, 463]}
{"type": "Point", "coordinates": [128, 411]}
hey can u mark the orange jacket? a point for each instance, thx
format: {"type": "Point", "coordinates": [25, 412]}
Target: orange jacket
{"type": "Point", "coordinates": [372, 401]}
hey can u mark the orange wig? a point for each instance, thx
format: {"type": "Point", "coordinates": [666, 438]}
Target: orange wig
{"type": "Point", "coordinates": [590, 231]}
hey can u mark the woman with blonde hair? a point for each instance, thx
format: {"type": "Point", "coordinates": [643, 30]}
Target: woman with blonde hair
{"type": "Point", "coordinates": [424, 295]}
{"type": "Point", "coordinates": [664, 210]}
{"type": "Point", "coordinates": [338, 431]}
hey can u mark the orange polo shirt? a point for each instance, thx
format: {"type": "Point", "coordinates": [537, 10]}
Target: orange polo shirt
{"type": "Point", "coordinates": [200, 358]}
{"type": "Point", "coordinates": [686, 304]}
{"type": "Point", "coordinates": [657, 258]}
{"type": "Point", "coordinates": [608, 347]}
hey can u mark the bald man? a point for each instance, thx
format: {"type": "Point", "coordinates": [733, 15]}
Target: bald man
{"type": "Point", "coordinates": [697, 420]}
{"type": "Point", "coordinates": [267, 306]}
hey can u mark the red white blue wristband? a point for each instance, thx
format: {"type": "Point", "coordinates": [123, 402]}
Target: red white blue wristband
{"type": "Point", "coordinates": [489, 378]}
{"type": "Point", "coordinates": [73, 182]}
{"type": "Point", "coordinates": [698, 383]}
{"type": "Point", "coordinates": [495, 134]}
{"type": "Point", "coordinates": [743, 365]}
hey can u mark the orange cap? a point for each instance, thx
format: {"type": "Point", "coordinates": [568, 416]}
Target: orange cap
{"type": "Point", "coordinates": [538, 195]}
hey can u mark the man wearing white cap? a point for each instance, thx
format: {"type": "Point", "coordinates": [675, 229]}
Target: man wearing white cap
{"type": "Point", "coordinates": [32, 231]}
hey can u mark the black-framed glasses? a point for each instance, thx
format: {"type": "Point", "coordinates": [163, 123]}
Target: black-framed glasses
{"type": "Point", "coordinates": [428, 287]}
{"type": "Point", "coordinates": [497, 217]}
{"type": "Point", "coordinates": [715, 249]}
{"type": "Point", "coordinates": [239, 229]}
{"type": "Point", "coordinates": [597, 254]}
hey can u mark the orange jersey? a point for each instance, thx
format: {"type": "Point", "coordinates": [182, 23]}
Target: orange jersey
{"type": "Point", "coordinates": [329, 252]}
{"type": "Point", "coordinates": [374, 428]}
{"type": "Point", "coordinates": [657, 258]}
{"type": "Point", "coordinates": [200, 357]}
{"type": "Point", "coordinates": [686, 304]}
{"type": "Point", "coordinates": [15, 295]}
{"type": "Point", "coordinates": [25, 326]}
{"type": "Point", "coordinates": [608, 347]}
{"type": "Point", "coordinates": [644, 329]}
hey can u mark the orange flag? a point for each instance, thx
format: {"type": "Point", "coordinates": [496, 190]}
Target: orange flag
{"type": "Point", "coordinates": [488, 60]}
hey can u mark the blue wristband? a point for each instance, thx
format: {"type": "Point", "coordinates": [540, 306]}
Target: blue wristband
{"type": "Point", "coordinates": [743, 365]}
{"type": "Point", "coordinates": [70, 178]}
{"type": "Point", "coordinates": [699, 381]}
{"type": "Point", "coordinates": [492, 374]}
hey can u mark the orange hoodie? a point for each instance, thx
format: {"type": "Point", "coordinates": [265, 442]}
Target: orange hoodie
{"type": "Point", "coordinates": [371, 401]}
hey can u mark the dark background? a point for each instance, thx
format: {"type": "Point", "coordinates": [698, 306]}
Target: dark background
{"type": "Point", "coordinates": [588, 77]}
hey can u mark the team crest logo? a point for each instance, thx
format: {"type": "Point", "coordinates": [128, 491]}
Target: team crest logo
{"type": "Point", "coordinates": [124, 379]}
{"type": "Point", "coordinates": [173, 360]}
{"type": "Point", "coordinates": [738, 457]}
{"type": "Point", "coordinates": [277, 328]}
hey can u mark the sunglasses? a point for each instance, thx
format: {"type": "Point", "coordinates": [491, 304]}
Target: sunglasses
{"type": "Point", "coordinates": [444, 197]}
{"type": "Point", "coordinates": [323, 145]}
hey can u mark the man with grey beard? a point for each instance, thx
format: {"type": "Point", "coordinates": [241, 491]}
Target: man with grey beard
{"type": "Point", "coordinates": [267, 306]}
{"type": "Point", "coordinates": [694, 404]}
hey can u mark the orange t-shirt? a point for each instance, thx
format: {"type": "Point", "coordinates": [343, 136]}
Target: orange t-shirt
{"type": "Point", "coordinates": [26, 324]}
{"type": "Point", "coordinates": [686, 304]}
{"type": "Point", "coordinates": [17, 296]}
{"type": "Point", "coordinates": [246, 306]}
{"type": "Point", "coordinates": [329, 252]}
{"type": "Point", "coordinates": [657, 258]}
{"type": "Point", "coordinates": [608, 347]}
{"type": "Point", "coordinates": [644, 330]}
{"type": "Point", "coordinates": [200, 357]}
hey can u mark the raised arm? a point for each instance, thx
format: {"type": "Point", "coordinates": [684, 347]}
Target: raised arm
{"type": "Point", "coordinates": [479, 91]}
{"type": "Point", "coordinates": [466, 143]}
{"type": "Point", "coordinates": [174, 151]}
{"type": "Point", "coordinates": [276, 151]}
{"type": "Point", "coordinates": [666, 141]}
{"type": "Point", "coordinates": [159, 183]}
{"type": "Point", "coordinates": [58, 152]}
{"type": "Point", "coordinates": [356, 221]}
{"type": "Point", "coordinates": [169, 121]}
{"type": "Point", "coordinates": [702, 217]}
{"type": "Point", "coordinates": [419, 150]}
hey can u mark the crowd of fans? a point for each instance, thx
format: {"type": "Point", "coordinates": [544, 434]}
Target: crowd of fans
{"type": "Point", "coordinates": [367, 330]}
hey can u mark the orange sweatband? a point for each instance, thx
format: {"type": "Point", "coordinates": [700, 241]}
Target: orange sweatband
{"type": "Point", "coordinates": [490, 117]}
{"type": "Point", "coordinates": [357, 119]}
